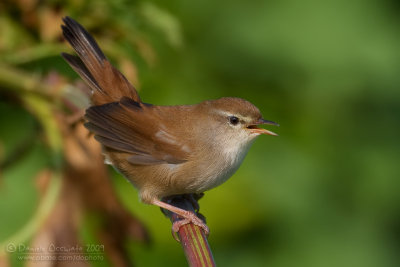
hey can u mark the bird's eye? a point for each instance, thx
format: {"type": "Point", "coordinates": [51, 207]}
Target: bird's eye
{"type": "Point", "coordinates": [233, 120]}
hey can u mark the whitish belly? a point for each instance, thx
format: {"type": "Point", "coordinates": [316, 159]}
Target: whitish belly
{"type": "Point", "coordinates": [220, 167]}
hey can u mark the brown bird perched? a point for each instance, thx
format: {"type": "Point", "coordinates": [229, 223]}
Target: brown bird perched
{"type": "Point", "coordinates": [162, 150]}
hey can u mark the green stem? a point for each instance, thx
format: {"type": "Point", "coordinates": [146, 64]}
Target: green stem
{"type": "Point", "coordinates": [43, 211]}
{"type": "Point", "coordinates": [31, 91]}
{"type": "Point", "coordinates": [16, 80]}
{"type": "Point", "coordinates": [32, 53]}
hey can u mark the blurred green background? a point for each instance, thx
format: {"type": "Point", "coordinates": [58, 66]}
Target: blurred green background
{"type": "Point", "coordinates": [324, 193]}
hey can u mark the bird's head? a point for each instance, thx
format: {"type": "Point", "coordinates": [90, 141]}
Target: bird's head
{"type": "Point", "coordinates": [237, 119]}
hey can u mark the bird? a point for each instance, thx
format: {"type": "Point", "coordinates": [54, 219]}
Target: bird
{"type": "Point", "coordinates": [162, 151]}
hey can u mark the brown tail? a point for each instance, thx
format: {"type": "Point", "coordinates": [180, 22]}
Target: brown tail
{"type": "Point", "coordinates": [107, 83]}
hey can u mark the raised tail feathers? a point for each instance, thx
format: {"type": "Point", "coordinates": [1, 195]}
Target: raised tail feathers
{"type": "Point", "coordinates": [106, 82]}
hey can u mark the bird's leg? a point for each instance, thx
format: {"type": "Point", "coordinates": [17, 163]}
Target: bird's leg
{"type": "Point", "coordinates": [193, 199]}
{"type": "Point", "coordinates": [188, 216]}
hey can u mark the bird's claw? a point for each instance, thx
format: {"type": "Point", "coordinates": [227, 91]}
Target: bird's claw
{"type": "Point", "coordinates": [191, 218]}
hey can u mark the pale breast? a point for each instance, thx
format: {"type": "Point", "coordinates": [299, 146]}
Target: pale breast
{"type": "Point", "coordinates": [218, 166]}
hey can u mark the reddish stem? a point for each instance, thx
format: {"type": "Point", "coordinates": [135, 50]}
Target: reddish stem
{"type": "Point", "coordinates": [193, 239]}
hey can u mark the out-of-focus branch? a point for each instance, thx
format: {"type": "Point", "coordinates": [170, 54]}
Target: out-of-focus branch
{"type": "Point", "coordinates": [42, 110]}
{"type": "Point", "coordinates": [33, 53]}
{"type": "Point", "coordinates": [192, 237]}
{"type": "Point", "coordinates": [19, 81]}
{"type": "Point", "coordinates": [43, 211]}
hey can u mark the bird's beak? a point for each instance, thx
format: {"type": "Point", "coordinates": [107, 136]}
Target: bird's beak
{"type": "Point", "coordinates": [255, 129]}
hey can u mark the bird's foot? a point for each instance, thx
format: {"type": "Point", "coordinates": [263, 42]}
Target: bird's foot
{"type": "Point", "coordinates": [185, 217]}
{"type": "Point", "coordinates": [189, 217]}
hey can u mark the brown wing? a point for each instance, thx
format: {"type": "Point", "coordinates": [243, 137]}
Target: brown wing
{"type": "Point", "coordinates": [129, 126]}
{"type": "Point", "coordinates": [107, 83]}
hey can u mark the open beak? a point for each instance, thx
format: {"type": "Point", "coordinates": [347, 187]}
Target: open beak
{"type": "Point", "coordinates": [255, 129]}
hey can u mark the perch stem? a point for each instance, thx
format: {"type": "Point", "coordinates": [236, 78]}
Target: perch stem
{"type": "Point", "coordinates": [192, 237]}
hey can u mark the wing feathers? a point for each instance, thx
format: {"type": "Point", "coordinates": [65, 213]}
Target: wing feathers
{"type": "Point", "coordinates": [116, 145]}
{"type": "Point", "coordinates": [125, 126]}
{"type": "Point", "coordinates": [144, 160]}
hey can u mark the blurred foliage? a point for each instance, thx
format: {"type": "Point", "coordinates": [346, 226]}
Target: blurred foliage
{"type": "Point", "coordinates": [325, 193]}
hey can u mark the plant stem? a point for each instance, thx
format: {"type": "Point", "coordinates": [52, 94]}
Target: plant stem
{"type": "Point", "coordinates": [30, 228]}
{"type": "Point", "coordinates": [193, 239]}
